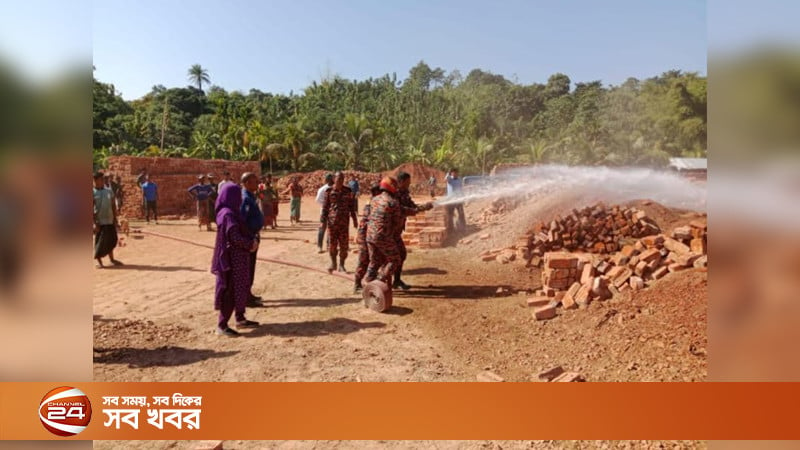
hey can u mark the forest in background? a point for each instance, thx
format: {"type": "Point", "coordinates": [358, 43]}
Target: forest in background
{"type": "Point", "coordinates": [432, 117]}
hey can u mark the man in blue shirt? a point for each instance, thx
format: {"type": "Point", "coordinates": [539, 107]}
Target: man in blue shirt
{"type": "Point", "coordinates": [454, 190]}
{"type": "Point", "coordinates": [201, 193]}
{"type": "Point", "coordinates": [353, 185]}
{"type": "Point", "coordinates": [150, 191]}
{"type": "Point", "coordinates": [254, 220]}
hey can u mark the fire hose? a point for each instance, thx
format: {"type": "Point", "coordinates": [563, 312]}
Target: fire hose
{"type": "Point", "coordinates": [259, 258]}
{"type": "Point", "coordinates": [377, 294]}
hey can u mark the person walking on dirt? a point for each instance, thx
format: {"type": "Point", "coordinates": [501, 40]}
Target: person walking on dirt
{"type": "Point", "coordinates": [321, 201]}
{"type": "Point", "coordinates": [230, 262]}
{"type": "Point", "coordinates": [361, 239]}
{"type": "Point", "coordinates": [201, 194]}
{"type": "Point", "coordinates": [385, 217]}
{"type": "Point", "coordinates": [296, 192]}
{"type": "Point", "coordinates": [454, 190]}
{"type": "Point", "coordinates": [338, 207]}
{"type": "Point", "coordinates": [254, 220]}
{"type": "Point", "coordinates": [408, 208]}
{"type": "Point", "coordinates": [105, 222]}
{"type": "Point", "coordinates": [150, 192]}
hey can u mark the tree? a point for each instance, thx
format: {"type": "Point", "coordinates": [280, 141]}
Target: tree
{"type": "Point", "coordinates": [431, 117]}
{"type": "Point", "coordinates": [557, 85]}
{"type": "Point", "coordinates": [296, 138]}
{"type": "Point", "coordinates": [352, 142]}
{"type": "Point", "coordinates": [198, 75]}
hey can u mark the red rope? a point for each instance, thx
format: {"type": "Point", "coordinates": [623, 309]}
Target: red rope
{"type": "Point", "coordinates": [259, 258]}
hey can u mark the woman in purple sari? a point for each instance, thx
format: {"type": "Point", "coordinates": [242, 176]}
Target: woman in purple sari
{"type": "Point", "coordinates": [231, 260]}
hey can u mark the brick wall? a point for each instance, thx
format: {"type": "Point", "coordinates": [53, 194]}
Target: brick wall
{"type": "Point", "coordinates": [173, 177]}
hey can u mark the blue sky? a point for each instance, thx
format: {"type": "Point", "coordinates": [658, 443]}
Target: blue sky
{"type": "Point", "coordinates": [41, 38]}
{"type": "Point", "coordinates": [283, 45]}
{"type": "Point", "coordinates": [734, 25]}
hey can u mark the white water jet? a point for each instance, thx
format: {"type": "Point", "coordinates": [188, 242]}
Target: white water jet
{"type": "Point", "coordinates": [612, 185]}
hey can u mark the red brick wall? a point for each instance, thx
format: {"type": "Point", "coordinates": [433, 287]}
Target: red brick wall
{"type": "Point", "coordinates": [173, 177]}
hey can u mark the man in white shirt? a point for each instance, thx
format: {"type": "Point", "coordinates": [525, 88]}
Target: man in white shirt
{"type": "Point", "coordinates": [321, 201]}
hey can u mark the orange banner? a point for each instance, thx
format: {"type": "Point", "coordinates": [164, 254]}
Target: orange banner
{"type": "Point", "coordinates": [199, 411]}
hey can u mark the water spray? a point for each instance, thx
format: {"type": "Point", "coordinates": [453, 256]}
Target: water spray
{"type": "Point", "coordinates": [598, 183]}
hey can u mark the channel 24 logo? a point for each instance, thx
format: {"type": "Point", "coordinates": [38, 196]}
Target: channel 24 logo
{"type": "Point", "coordinates": [65, 411]}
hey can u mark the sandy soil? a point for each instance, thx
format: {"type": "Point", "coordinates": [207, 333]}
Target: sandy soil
{"type": "Point", "coordinates": [154, 321]}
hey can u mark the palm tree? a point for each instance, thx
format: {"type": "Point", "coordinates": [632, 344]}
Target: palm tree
{"type": "Point", "coordinates": [353, 141]}
{"type": "Point", "coordinates": [272, 151]}
{"type": "Point", "coordinates": [198, 75]}
{"type": "Point", "coordinates": [538, 151]}
{"type": "Point", "coordinates": [297, 138]}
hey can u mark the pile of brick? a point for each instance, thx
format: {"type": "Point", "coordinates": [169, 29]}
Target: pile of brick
{"type": "Point", "coordinates": [594, 229]}
{"type": "Point", "coordinates": [573, 280]}
{"type": "Point", "coordinates": [498, 209]}
{"type": "Point", "coordinates": [173, 177]}
{"type": "Point", "coordinates": [312, 181]}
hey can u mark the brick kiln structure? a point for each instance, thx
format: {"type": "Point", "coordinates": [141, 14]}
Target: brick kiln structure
{"type": "Point", "coordinates": [173, 177]}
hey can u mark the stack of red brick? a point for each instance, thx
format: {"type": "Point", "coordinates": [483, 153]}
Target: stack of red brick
{"type": "Point", "coordinates": [173, 177]}
{"type": "Point", "coordinates": [574, 280]}
{"type": "Point", "coordinates": [426, 230]}
{"type": "Point", "coordinates": [594, 229]}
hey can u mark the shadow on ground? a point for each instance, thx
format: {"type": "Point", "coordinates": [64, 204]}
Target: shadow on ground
{"type": "Point", "coordinates": [166, 356]}
{"type": "Point", "coordinates": [313, 328]}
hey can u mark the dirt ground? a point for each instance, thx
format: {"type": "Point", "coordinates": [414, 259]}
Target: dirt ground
{"type": "Point", "coordinates": [154, 321]}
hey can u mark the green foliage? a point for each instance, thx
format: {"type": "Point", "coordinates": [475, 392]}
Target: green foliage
{"type": "Point", "coordinates": [431, 117]}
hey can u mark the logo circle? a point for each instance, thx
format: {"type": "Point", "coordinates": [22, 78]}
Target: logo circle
{"type": "Point", "coordinates": [65, 411]}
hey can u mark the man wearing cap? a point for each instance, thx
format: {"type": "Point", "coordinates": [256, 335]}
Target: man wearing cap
{"type": "Point", "coordinates": [254, 220]}
{"type": "Point", "coordinates": [201, 193]}
{"type": "Point", "coordinates": [339, 206]}
{"type": "Point", "coordinates": [384, 219]}
{"type": "Point", "coordinates": [361, 239]}
{"type": "Point", "coordinates": [408, 208]}
{"type": "Point", "coordinates": [321, 201]}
